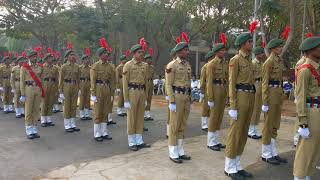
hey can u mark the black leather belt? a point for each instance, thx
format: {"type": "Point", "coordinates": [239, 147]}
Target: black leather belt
{"type": "Point", "coordinates": [16, 79]}
{"type": "Point", "coordinates": [246, 88]}
{"type": "Point", "coordinates": [313, 102]}
{"type": "Point", "coordinates": [70, 81]}
{"type": "Point", "coordinates": [274, 83]}
{"type": "Point", "coordinates": [50, 79]}
{"type": "Point", "coordinates": [137, 86]}
{"type": "Point", "coordinates": [258, 79]}
{"type": "Point", "coordinates": [5, 77]}
{"type": "Point", "coordinates": [84, 79]}
{"type": "Point", "coordinates": [219, 81]}
{"type": "Point", "coordinates": [30, 83]}
{"type": "Point", "coordinates": [120, 76]}
{"type": "Point", "coordinates": [181, 90]}
{"type": "Point", "coordinates": [98, 81]}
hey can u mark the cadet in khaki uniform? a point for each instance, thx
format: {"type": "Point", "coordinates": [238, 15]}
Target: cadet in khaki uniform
{"type": "Point", "coordinates": [113, 86]}
{"type": "Point", "coordinates": [217, 76]}
{"type": "Point", "coordinates": [69, 79]}
{"type": "Point", "coordinates": [57, 103]}
{"type": "Point", "coordinates": [15, 84]}
{"type": "Point", "coordinates": [102, 80]}
{"type": "Point", "coordinates": [84, 104]}
{"type": "Point", "coordinates": [241, 93]}
{"type": "Point", "coordinates": [134, 91]}
{"type": "Point", "coordinates": [120, 109]}
{"type": "Point", "coordinates": [203, 95]}
{"type": "Point", "coordinates": [178, 87]}
{"type": "Point", "coordinates": [31, 93]}
{"type": "Point", "coordinates": [150, 74]}
{"type": "Point", "coordinates": [260, 57]}
{"type": "Point", "coordinates": [272, 101]}
{"type": "Point", "coordinates": [50, 84]}
{"type": "Point", "coordinates": [308, 93]}
{"type": "Point", "coordinates": [5, 86]}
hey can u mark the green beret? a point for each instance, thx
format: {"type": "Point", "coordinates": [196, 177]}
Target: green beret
{"type": "Point", "coordinates": [172, 52]}
{"type": "Point", "coordinates": [242, 38]}
{"type": "Point", "coordinates": [181, 46]}
{"type": "Point", "coordinates": [309, 43]}
{"type": "Point", "coordinates": [135, 48]}
{"type": "Point", "coordinates": [123, 58]}
{"type": "Point", "coordinates": [47, 56]}
{"type": "Point", "coordinates": [20, 58]}
{"type": "Point", "coordinates": [217, 47]}
{"type": "Point", "coordinates": [148, 56]}
{"type": "Point", "coordinates": [209, 55]}
{"type": "Point", "coordinates": [40, 60]}
{"type": "Point", "coordinates": [5, 58]}
{"type": "Point", "coordinates": [13, 58]}
{"type": "Point", "coordinates": [67, 53]}
{"type": "Point", "coordinates": [83, 57]}
{"type": "Point", "coordinates": [32, 53]}
{"type": "Point", "coordinates": [274, 43]}
{"type": "Point", "coordinates": [101, 50]}
{"type": "Point", "coordinates": [258, 50]}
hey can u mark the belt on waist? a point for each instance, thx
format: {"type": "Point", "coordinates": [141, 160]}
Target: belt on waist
{"type": "Point", "coordinates": [102, 81]}
{"type": "Point", "coordinates": [181, 90]}
{"type": "Point", "coordinates": [84, 79]}
{"type": "Point", "coordinates": [313, 102]}
{"type": "Point", "coordinates": [219, 81]}
{"type": "Point", "coordinates": [274, 83]}
{"type": "Point", "coordinates": [136, 86]}
{"type": "Point", "coordinates": [258, 79]}
{"type": "Point", "coordinates": [50, 79]}
{"type": "Point", "coordinates": [5, 77]}
{"type": "Point", "coordinates": [16, 79]}
{"type": "Point", "coordinates": [120, 76]}
{"type": "Point", "coordinates": [30, 83]}
{"type": "Point", "coordinates": [246, 88]}
{"type": "Point", "coordinates": [69, 81]}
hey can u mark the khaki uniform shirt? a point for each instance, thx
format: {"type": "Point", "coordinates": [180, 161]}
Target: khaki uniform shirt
{"type": "Point", "coordinates": [257, 67]}
{"type": "Point", "coordinates": [15, 76]}
{"type": "Point", "coordinates": [134, 72]}
{"type": "Point", "coordinates": [102, 71]}
{"type": "Point", "coordinates": [69, 71]}
{"type": "Point", "coordinates": [25, 76]}
{"type": "Point", "coordinates": [5, 73]}
{"type": "Point", "coordinates": [178, 74]}
{"type": "Point", "coordinates": [216, 69]}
{"type": "Point", "coordinates": [272, 69]}
{"type": "Point", "coordinates": [307, 86]}
{"type": "Point", "coordinates": [51, 72]}
{"type": "Point", "coordinates": [240, 72]}
{"type": "Point", "coordinates": [119, 71]}
{"type": "Point", "coordinates": [203, 78]}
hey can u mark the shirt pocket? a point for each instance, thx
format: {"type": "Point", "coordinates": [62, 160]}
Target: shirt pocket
{"type": "Point", "coordinates": [180, 74]}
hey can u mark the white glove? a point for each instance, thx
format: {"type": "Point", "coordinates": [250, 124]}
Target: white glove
{"type": "Point", "coordinates": [94, 99]}
{"type": "Point", "coordinates": [201, 95]}
{"type": "Point", "coordinates": [79, 93]}
{"type": "Point", "coordinates": [173, 107]}
{"type": "Point", "coordinates": [111, 98]}
{"type": "Point", "coordinates": [233, 114]}
{"type": "Point", "coordinates": [295, 100]}
{"type": "Point", "coordinates": [1, 88]}
{"type": "Point", "coordinates": [265, 108]}
{"type": "Point", "coordinates": [22, 99]}
{"type": "Point", "coordinates": [61, 96]}
{"type": "Point", "coordinates": [167, 98]}
{"type": "Point", "coordinates": [13, 90]}
{"type": "Point", "coordinates": [210, 104]}
{"type": "Point", "coordinates": [304, 132]}
{"type": "Point", "coordinates": [127, 105]}
{"type": "Point", "coordinates": [118, 91]}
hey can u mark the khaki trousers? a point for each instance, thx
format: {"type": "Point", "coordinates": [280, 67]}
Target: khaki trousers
{"type": "Point", "coordinates": [84, 99]}
{"type": "Point", "coordinates": [135, 116]}
{"type": "Point", "coordinates": [7, 95]}
{"type": "Point", "coordinates": [308, 150]}
{"type": "Point", "coordinates": [48, 101]}
{"type": "Point", "coordinates": [149, 95]}
{"type": "Point", "coordinates": [32, 105]}
{"type": "Point", "coordinates": [273, 116]}
{"type": "Point", "coordinates": [178, 119]}
{"type": "Point", "coordinates": [205, 108]}
{"type": "Point", "coordinates": [255, 119]}
{"type": "Point", "coordinates": [238, 131]}
{"type": "Point", "coordinates": [216, 115]}
{"type": "Point", "coordinates": [70, 92]}
{"type": "Point", "coordinates": [17, 94]}
{"type": "Point", "coordinates": [120, 98]}
{"type": "Point", "coordinates": [100, 108]}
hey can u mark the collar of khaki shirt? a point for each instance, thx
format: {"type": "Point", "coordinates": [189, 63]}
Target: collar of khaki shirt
{"type": "Point", "coordinates": [313, 63]}
{"type": "Point", "coordinates": [218, 59]}
{"type": "Point", "coordinates": [275, 57]}
{"type": "Point", "coordinates": [136, 62]}
{"type": "Point", "coordinates": [243, 54]}
{"type": "Point", "coordinates": [180, 60]}
{"type": "Point", "coordinates": [102, 62]}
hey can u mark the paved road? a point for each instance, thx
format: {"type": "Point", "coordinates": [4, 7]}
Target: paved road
{"type": "Point", "coordinates": [21, 158]}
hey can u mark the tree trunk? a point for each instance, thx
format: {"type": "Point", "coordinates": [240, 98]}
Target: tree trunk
{"type": "Point", "coordinates": [292, 25]}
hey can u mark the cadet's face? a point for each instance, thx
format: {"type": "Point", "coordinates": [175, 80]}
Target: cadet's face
{"type": "Point", "coordinates": [33, 58]}
{"type": "Point", "coordinates": [184, 53]}
{"type": "Point", "coordinates": [139, 55]}
{"type": "Point", "coordinates": [261, 57]}
{"type": "Point", "coordinates": [248, 45]}
{"type": "Point", "coordinates": [221, 53]}
{"type": "Point", "coordinates": [72, 58]}
{"type": "Point", "coordinates": [277, 50]}
{"type": "Point", "coordinates": [316, 53]}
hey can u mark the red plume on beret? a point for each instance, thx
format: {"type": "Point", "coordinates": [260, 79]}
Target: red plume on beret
{"type": "Point", "coordinates": [104, 44]}
{"type": "Point", "coordinates": [253, 26]}
{"type": "Point", "coordinates": [17, 55]}
{"type": "Point", "coordinates": [185, 37]}
{"type": "Point", "coordinates": [151, 52]}
{"type": "Point", "coordinates": [24, 54]}
{"type": "Point", "coordinates": [10, 55]}
{"type": "Point", "coordinates": [5, 54]}
{"type": "Point", "coordinates": [38, 49]}
{"type": "Point", "coordinates": [285, 33]}
{"type": "Point", "coordinates": [70, 45]}
{"type": "Point", "coordinates": [57, 54]}
{"type": "Point", "coordinates": [263, 43]}
{"type": "Point", "coordinates": [127, 53]}
{"type": "Point", "coordinates": [224, 39]}
{"type": "Point", "coordinates": [88, 52]}
{"type": "Point", "coordinates": [178, 40]}
{"type": "Point", "coordinates": [143, 43]}
{"type": "Point", "coordinates": [309, 34]}
{"type": "Point", "coordinates": [50, 51]}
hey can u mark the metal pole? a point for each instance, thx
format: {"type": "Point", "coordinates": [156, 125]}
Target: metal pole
{"type": "Point", "coordinates": [197, 62]}
{"type": "Point", "coordinates": [304, 19]}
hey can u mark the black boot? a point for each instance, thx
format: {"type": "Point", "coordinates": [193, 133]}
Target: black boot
{"type": "Point", "coordinates": [272, 161]}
